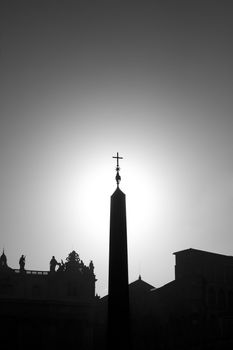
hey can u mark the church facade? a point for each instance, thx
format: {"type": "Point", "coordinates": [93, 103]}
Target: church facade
{"type": "Point", "coordinates": [47, 309]}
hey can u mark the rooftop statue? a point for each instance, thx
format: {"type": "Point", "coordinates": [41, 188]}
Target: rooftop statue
{"type": "Point", "coordinates": [53, 264]}
{"type": "Point", "coordinates": [22, 262]}
{"type": "Point", "coordinates": [3, 260]}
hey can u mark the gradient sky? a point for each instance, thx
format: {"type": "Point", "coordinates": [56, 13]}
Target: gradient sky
{"type": "Point", "coordinates": [82, 80]}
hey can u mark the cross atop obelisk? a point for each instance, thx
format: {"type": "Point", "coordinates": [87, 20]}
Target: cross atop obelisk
{"type": "Point", "coordinates": [118, 178]}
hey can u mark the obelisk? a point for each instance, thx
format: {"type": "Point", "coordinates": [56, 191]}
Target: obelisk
{"type": "Point", "coordinates": [118, 294]}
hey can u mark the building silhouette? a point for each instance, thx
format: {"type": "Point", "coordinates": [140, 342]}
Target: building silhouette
{"type": "Point", "coordinates": [194, 311]}
{"type": "Point", "coordinates": [47, 309]}
{"type": "Point", "coordinates": [59, 308]}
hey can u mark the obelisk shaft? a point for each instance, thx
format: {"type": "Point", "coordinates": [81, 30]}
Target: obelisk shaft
{"type": "Point", "coordinates": [118, 298]}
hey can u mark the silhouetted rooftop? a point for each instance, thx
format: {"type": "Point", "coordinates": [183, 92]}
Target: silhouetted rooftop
{"type": "Point", "coordinates": [198, 251]}
{"type": "Point", "coordinates": [139, 283]}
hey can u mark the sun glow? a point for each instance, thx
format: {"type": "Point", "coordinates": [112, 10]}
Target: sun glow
{"type": "Point", "coordinates": [149, 200]}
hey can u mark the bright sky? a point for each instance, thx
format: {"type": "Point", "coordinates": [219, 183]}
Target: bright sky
{"type": "Point", "coordinates": [82, 80]}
